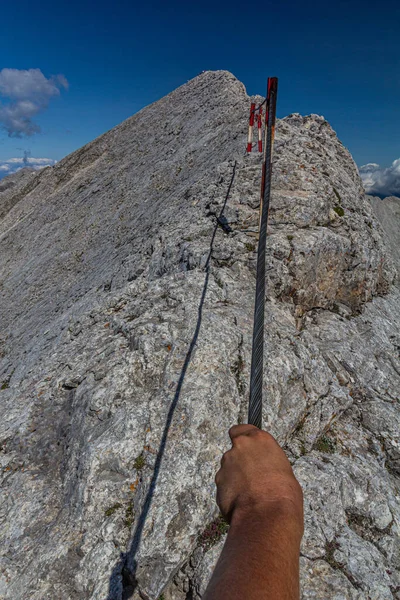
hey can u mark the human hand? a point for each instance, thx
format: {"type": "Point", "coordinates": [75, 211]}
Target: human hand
{"type": "Point", "coordinates": [256, 476]}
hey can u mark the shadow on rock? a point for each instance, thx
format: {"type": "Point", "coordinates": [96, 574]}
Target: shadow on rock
{"type": "Point", "coordinates": [123, 582]}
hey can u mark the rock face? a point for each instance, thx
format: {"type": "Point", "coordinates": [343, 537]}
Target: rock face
{"type": "Point", "coordinates": [126, 322]}
{"type": "Point", "coordinates": [388, 213]}
{"type": "Point", "coordinates": [12, 186]}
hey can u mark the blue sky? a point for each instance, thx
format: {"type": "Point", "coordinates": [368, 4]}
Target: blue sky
{"type": "Point", "coordinates": [339, 59]}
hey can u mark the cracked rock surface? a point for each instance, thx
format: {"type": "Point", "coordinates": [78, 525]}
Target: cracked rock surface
{"type": "Point", "coordinates": [126, 321]}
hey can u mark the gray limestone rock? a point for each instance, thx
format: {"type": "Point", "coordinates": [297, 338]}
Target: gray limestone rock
{"type": "Point", "coordinates": [388, 213]}
{"type": "Point", "coordinates": [125, 341]}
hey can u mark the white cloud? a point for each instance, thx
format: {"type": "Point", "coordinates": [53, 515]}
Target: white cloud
{"type": "Point", "coordinates": [12, 165]}
{"type": "Point", "coordinates": [380, 181]}
{"type": "Point", "coordinates": [21, 84]}
{"type": "Point", "coordinates": [27, 92]}
{"type": "Point", "coordinates": [41, 161]}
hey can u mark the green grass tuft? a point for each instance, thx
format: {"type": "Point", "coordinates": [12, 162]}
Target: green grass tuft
{"type": "Point", "coordinates": [325, 444]}
{"type": "Point", "coordinates": [337, 195]}
{"type": "Point", "coordinates": [250, 247]}
{"type": "Point", "coordinates": [213, 533]}
{"type": "Point", "coordinates": [129, 516]}
{"type": "Point", "coordinates": [139, 462]}
{"type": "Point", "coordinates": [338, 210]}
{"type": "Point", "coordinates": [110, 511]}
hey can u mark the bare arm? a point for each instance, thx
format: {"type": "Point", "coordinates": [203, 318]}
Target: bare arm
{"type": "Point", "coordinates": [260, 497]}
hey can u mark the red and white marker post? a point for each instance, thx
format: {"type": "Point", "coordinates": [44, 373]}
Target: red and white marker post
{"type": "Point", "coordinates": [251, 124]}
{"type": "Point", "coordinates": [255, 112]}
{"type": "Point", "coordinates": [259, 127]}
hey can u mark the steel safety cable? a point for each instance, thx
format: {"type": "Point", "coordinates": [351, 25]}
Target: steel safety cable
{"type": "Point", "coordinates": [257, 357]}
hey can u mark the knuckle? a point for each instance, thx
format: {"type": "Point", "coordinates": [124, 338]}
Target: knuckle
{"type": "Point", "coordinates": [239, 430]}
{"type": "Point", "coordinates": [233, 431]}
{"type": "Point", "coordinates": [264, 437]}
{"type": "Point", "coordinates": [238, 441]}
{"type": "Point", "coordinates": [255, 433]}
{"type": "Point", "coordinates": [226, 456]}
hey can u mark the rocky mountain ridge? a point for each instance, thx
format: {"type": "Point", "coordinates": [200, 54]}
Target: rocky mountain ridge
{"type": "Point", "coordinates": [125, 352]}
{"type": "Point", "coordinates": [387, 211]}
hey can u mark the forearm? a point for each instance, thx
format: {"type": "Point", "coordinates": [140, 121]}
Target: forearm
{"type": "Point", "coordinates": [260, 559]}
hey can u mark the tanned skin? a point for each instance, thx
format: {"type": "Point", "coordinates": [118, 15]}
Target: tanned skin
{"type": "Point", "coordinates": [262, 500]}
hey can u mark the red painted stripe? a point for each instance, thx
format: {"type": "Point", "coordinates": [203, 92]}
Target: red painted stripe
{"type": "Point", "coordinates": [249, 145]}
{"type": "Point", "coordinates": [252, 110]}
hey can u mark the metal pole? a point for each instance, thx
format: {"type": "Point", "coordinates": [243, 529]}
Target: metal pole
{"type": "Point", "coordinates": [257, 357]}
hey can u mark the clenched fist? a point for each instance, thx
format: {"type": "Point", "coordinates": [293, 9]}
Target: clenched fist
{"type": "Point", "coordinates": [259, 495]}
{"type": "Point", "coordinates": [255, 475]}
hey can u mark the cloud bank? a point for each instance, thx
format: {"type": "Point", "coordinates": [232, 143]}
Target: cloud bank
{"type": "Point", "coordinates": [12, 165]}
{"type": "Point", "coordinates": [381, 182]}
{"type": "Point", "coordinates": [26, 93]}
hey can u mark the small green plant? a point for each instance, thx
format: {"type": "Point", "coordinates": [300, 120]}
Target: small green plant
{"type": "Point", "coordinates": [250, 247]}
{"type": "Point", "coordinates": [326, 445]}
{"type": "Point", "coordinates": [357, 521]}
{"type": "Point", "coordinates": [6, 383]}
{"type": "Point", "coordinates": [218, 281]}
{"type": "Point", "coordinates": [129, 516]}
{"type": "Point", "coordinates": [337, 195]}
{"type": "Point", "coordinates": [338, 210]}
{"type": "Point", "coordinates": [213, 533]}
{"type": "Point", "coordinates": [290, 237]}
{"type": "Point", "coordinates": [139, 462]}
{"type": "Point", "coordinates": [110, 511]}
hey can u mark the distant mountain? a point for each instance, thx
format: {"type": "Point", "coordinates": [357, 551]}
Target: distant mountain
{"type": "Point", "coordinates": [13, 188]}
{"type": "Point", "coordinates": [388, 212]}
{"type": "Point", "coordinates": [10, 167]}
